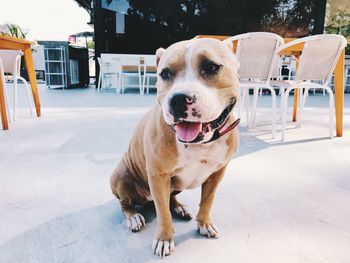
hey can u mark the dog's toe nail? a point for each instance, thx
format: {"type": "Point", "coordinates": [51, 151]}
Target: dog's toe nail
{"type": "Point", "coordinates": [172, 246]}
{"type": "Point", "coordinates": [208, 231]}
{"type": "Point", "coordinates": [163, 248]}
{"type": "Point", "coordinates": [166, 248]}
{"type": "Point", "coordinates": [154, 245]}
{"type": "Point", "coordinates": [136, 222]}
{"type": "Point", "coordinates": [183, 212]}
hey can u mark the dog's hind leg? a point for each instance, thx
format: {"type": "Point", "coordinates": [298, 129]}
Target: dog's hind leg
{"type": "Point", "coordinates": [134, 220]}
{"type": "Point", "coordinates": [126, 189]}
{"type": "Point", "coordinates": [179, 210]}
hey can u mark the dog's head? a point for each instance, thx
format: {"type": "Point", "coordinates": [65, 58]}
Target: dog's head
{"type": "Point", "coordinates": [197, 87]}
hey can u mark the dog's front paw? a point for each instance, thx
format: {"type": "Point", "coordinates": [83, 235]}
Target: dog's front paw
{"type": "Point", "coordinates": [183, 212]}
{"type": "Point", "coordinates": [136, 222]}
{"type": "Point", "coordinates": [163, 247]}
{"type": "Point", "coordinates": [208, 230]}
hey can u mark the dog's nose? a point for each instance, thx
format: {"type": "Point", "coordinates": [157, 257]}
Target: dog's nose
{"type": "Point", "coordinates": [178, 105]}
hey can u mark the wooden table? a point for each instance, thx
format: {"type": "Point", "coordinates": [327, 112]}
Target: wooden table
{"type": "Point", "coordinates": [11, 43]}
{"type": "Point", "coordinates": [296, 50]}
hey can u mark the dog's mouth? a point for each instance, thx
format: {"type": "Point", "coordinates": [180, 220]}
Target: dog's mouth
{"type": "Point", "coordinates": [194, 132]}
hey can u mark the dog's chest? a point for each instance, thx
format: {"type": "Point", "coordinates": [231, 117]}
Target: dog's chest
{"type": "Point", "coordinates": [196, 163]}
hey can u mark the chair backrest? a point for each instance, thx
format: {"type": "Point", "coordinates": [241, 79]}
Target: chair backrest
{"type": "Point", "coordinates": [11, 60]}
{"type": "Point", "coordinates": [124, 59]}
{"type": "Point", "coordinates": [135, 60]}
{"type": "Point", "coordinates": [319, 57]}
{"type": "Point", "coordinates": [149, 60]}
{"type": "Point", "coordinates": [256, 53]}
{"type": "Point", "coordinates": [108, 65]}
{"type": "Point", "coordinates": [277, 68]}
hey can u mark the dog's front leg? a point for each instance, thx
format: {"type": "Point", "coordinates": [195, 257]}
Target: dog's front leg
{"type": "Point", "coordinates": [160, 189]}
{"type": "Point", "coordinates": [205, 225]}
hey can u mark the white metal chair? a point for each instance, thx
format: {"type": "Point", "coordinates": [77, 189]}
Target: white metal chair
{"type": "Point", "coordinates": [347, 77]}
{"type": "Point", "coordinates": [11, 60]}
{"type": "Point", "coordinates": [316, 63]}
{"type": "Point", "coordinates": [109, 69]}
{"type": "Point", "coordinates": [132, 61]}
{"type": "Point", "coordinates": [256, 53]}
{"type": "Point", "coordinates": [149, 62]}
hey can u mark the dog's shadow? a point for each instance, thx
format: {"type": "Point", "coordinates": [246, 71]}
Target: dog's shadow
{"type": "Point", "coordinates": [97, 234]}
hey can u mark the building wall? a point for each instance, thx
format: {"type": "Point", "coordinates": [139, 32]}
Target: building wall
{"type": "Point", "coordinates": [151, 24]}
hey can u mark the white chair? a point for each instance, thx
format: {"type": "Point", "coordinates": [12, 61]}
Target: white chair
{"type": "Point", "coordinates": [347, 76]}
{"type": "Point", "coordinates": [256, 53]}
{"type": "Point", "coordinates": [11, 60]}
{"type": "Point", "coordinates": [149, 62]}
{"type": "Point", "coordinates": [109, 69]}
{"type": "Point", "coordinates": [289, 63]}
{"type": "Point", "coordinates": [316, 63]}
{"type": "Point", "coordinates": [132, 61]}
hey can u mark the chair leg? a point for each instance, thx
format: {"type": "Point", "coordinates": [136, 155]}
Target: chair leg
{"type": "Point", "coordinates": [284, 112]}
{"type": "Point", "coordinates": [99, 82]}
{"type": "Point", "coordinates": [273, 102]}
{"type": "Point", "coordinates": [123, 84]}
{"type": "Point", "coordinates": [15, 90]}
{"type": "Point", "coordinates": [121, 88]}
{"type": "Point", "coordinates": [141, 81]}
{"type": "Point", "coordinates": [28, 95]}
{"type": "Point", "coordinates": [242, 101]}
{"type": "Point", "coordinates": [302, 100]}
{"type": "Point", "coordinates": [119, 78]}
{"type": "Point", "coordinates": [247, 104]}
{"type": "Point", "coordinates": [7, 104]}
{"type": "Point", "coordinates": [147, 84]}
{"type": "Point", "coordinates": [115, 76]}
{"type": "Point", "coordinates": [256, 92]}
{"type": "Point", "coordinates": [331, 111]}
{"type": "Point", "coordinates": [281, 93]}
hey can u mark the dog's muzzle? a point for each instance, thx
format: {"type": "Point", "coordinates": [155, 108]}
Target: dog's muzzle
{"type": "Point", "coordinates": [194, 132]}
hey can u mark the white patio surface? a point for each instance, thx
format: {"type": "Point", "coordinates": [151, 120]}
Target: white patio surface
{"type": "Point", "coordinates": [279, 202]}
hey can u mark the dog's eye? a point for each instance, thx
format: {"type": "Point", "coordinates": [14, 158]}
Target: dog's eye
{"type": "Point", "coordinates": [209, 68]}
{"type": "Point", "coordinates": [166, 74]}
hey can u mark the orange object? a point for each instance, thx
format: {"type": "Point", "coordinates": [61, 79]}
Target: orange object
{"type": "Point", "coordinates": [12, 43]}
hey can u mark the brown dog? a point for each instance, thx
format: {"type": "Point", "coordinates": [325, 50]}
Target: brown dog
{"type": "Point", "coordinates": [184, 141]}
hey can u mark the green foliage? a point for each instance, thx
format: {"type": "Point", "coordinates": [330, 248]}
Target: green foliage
{"type": "Point", "coordinates": [91, 44]}
{"type": "Point", "coordinates": [12, 30]}
{"type": "Point", "coordinates": [340, 24]}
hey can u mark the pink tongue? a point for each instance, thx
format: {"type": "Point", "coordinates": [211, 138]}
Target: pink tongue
{"type": "Point", "coordinates": [188, 131]}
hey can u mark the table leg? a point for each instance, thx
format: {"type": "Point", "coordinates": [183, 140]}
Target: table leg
{"type": "Point", "coordinates": [339, 94]}
{"type": "Point", "coordinates": [5, 124]}
{"type": "Point", "coordinates": [32, 78]}
{"type": "Point", "coordinates": [296, 93]}
{"type": "Point", "coordinates": [295, 104]}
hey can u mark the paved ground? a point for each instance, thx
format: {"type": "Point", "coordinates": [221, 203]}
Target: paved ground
{"type": "Point", "coordinates": [279, 202]}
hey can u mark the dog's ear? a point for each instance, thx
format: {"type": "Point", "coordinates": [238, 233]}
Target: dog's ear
{"type": "Point", "coordinates": [159, 54]}
{"type": "Point", "coordinates": [229, 44]}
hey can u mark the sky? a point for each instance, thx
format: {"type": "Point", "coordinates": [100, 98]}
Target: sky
{"type": "Point", "coordinates": [45, 19]}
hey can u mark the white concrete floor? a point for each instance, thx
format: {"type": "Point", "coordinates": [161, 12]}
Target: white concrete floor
{"type": "Point", "coordinates": [279, 202]}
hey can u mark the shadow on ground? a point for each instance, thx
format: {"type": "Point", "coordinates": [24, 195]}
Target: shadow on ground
{"type": "Point", "coordinates": [97, 234]}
